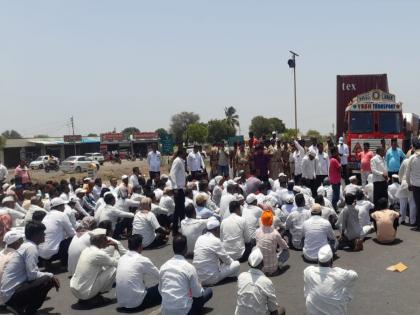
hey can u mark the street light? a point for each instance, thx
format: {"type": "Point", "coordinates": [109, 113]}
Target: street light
{"type": "Point", "coordinates": [292, 64]}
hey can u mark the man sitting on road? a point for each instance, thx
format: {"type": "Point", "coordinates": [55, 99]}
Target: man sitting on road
{"type": "Point", "coordinates": [294, 222]}
{"type": "Point", "coordinates": [179, 286]}
{"type": "Point", "coordinates": [364, 207]}
{"type": "Point", "coordinates": [234, 234]}
{"type": "Point", "coordinates": [23, 287]}
{"type": "Point", "coordinates": [385, 222]}
{"type": "Point", "coordinates": [192, 228]}
{"type": "Point", "coordinates": [327, 290]}
{"type": "Point", "coordinates": [132, 292]}
{"type": "Point", "coordinates": [349, 224]}
{"type": "Point", "coordinates": [212, 262]}
{"type": "Point", "coordinates": [95, 272]}
{"type": "Point", "coordinates": [316, 232]}
{"type": "Point", "coordinates": [273, 247]}
{"type": "Point", "coordinates": [256, 293]}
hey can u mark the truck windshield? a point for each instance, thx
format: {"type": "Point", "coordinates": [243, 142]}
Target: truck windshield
{"type": "Point", "coordinates": [361, 122]}
{"type": "Point", "coordinates": [390, 122]}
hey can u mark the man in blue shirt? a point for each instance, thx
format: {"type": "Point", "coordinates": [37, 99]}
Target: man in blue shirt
{"type": "Point", "coordinates": [394, 157]}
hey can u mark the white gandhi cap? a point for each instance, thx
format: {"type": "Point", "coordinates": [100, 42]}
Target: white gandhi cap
{"type": "Point", "coordinates": [325, 254]}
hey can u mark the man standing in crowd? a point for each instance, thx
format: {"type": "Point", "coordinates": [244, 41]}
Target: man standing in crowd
{"type": "Point", "coordinates": [22, 174]}
{"type": "Point", "coordinates": [309, 171]}
{"type": "Point", "coordinates": [393, 158]}
{"type": "Point", "coordinates": [154, 161]}
{"type": "Point", "coordinates": [178, 181]}
{"type": "Point", "coordinates": [322, 165]}
{"type": "Point", "coordinates": [343, 151]}
{"type": "Point", "coordinates": [335, 176]}
{"type": "Point", "coordinates": [179, 286]}
{"type": "Point", "coordinates": [327, 290]}
{"type": "Point", "coordinates": [223, 160]}
{"type": "Point", "coordinates": [256, 293]}
{"type": "Point", "coordinates": [23, 287]}
{"type": "Point", "coordinates": [195, 162]}
{"type": "Point", "coordinates": [380, 176]}
{"type": "Point", "coordinates": [364, 157]}
{"type": "Point", "coordinates": [413, 178]}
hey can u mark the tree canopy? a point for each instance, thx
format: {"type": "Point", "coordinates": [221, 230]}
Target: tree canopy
{"type": "Point", "coordinates": [262, 126]}
{"type": "Point", "coordinates": [161, 132]}
{"type": "Point", "coordinates": [197, 133]}
{"type": "Point", "coordinates": [232, 118]}
{"type": "Point", "coordinates": [92, 135]}
{"type": "Point", "coordinates": [41, 136]}
{"type": "Point", "coordinates": [180, 123]}
{"type": "Point", "coordinates": [129, 131]}
{"type": "Point", "coordinates": [11, 134]}
{"type": "Point", "coordinates": [218, 130]}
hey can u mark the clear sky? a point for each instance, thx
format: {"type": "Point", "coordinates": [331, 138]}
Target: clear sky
{"type": "Point", "coordinates": [136, 63]}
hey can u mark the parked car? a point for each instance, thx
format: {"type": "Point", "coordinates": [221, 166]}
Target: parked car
{"type": "Point", "coordinates": [40, 162]}
{"type": "Point", "coordinates": [78, 163]}
{"type": "Point", "coordinates": [96, 157]}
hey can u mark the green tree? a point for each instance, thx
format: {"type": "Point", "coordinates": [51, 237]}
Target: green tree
{"type": "Point", "coordinates": [314, 134]}
{"type": "Point", "coordinates": [197, 133]}
{"type": "Point", "coordinates": [161, 132]}
{"type": "Point", "coordinates": [2, 142]}
{"type": "Point", "coordinates": [41, 136]}
{"type": "Point", "coordinates": [289, 134]}
{"type": "Point", "coordinates": [92, 135]}
{"type": "Point", "coordinates": [11, 134]}
{"type": "Point", "coordinates": [218, 130]}
{"type": "Point", "coordinates": [180, 123]}
{"type": "Point", "coordinates": [232, 117]}
{"type": "Point", "coordinates": [262, 126]}
{"type": "Point", "coordinates": [129, 131]}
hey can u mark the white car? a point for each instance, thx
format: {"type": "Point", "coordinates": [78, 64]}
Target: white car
{"type": "Point", "coordinates": [78, 163]}
{"type": "Point", "coordinates": [40, 162]}
{"type": "Point", "coordinates": [96, 157]}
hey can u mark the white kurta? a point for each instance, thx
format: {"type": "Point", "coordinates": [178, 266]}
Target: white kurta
{"type": "Point", "coordinates": [234, 234]}
{"type": "Point", "coordinates": [130, 287]}
{"type": "Point", "coordinates": [95, 273]}
{"type": "Point", "coordinates": [327, 290]}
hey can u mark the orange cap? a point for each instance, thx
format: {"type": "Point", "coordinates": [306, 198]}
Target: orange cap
{"type": "Point", "coordinates": [267, 218]}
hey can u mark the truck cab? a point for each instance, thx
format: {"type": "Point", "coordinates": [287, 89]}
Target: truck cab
{"type": "Point", "coordinates": [371, 117]}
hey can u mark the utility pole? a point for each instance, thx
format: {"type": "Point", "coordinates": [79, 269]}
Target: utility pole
{"type": "Point", "coordinates": [72, 128]}
{"type": "Point", "coordinates": [292, 64]}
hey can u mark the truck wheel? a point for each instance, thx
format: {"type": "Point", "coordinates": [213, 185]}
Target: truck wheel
{"type": "Point", "coordinates": [78, 169]}
{"type": "Point", "coordinates": [41, 166]}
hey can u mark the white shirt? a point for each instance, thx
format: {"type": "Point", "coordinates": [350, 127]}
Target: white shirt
{"type": "Point", "coordinates": [3, 172]}
{"type": "Point", "coordinates": [252, 215]}
{"type": "Point", "coordinates": [294, 223]}
{"type": "Point", "coordinates": [392, 192]}
{"type": "Point", "coordinates": [378, 167]}
{"type": "Point", "coordinates": [153, 160]}
{"type": "Point", "coordinates": [96, 192]}
{"type": "Point", "coordinates": [177, 174]}
{"type": "Point", "coordinates": [328, 290]}
{"type": "Point", "coordinates": [77, 245]}
{"type": "Point", "coordinates": [109, 212]}
{"type": "Point", "coordinates": [322, 163]}
{"type": "Point", "coordinates": [168, 203]}
{"type": "Point", "coordinates": [413, 170]}
{"type": "Point", "coordinates": [90, 265]}
{"type": "Point", "coordinates": [308, 168]}
{"type": "Point", "coordinates": [58, 228]}
{"type": "Point", "coordinates": [21, 268]}
{"type": "Point", "coordinates": [256, 294]}
{"type": "Point", "coordinates": [208, 252]}
{"type": "Point", "coordinates": [317, 233]}
{"type": "Point", "coordinates": [195, 161]}
{"type": "Point", "coordinates": [178, 284]}
{"type": "Point", "coordinates": [133, 181]}
{"type": "Point", "coordinates": [145, 224]}
{"type": "Point", "coordinates": [224, 205]}
{"type": "Point", "coordinates": [297, 157]}
{"type": "Point", "coordinates": [17, 216]}
{"type": "Point", "coordinates": [343, 150]}
{"type": "Point", "coordinates": [351, 189]}
{"type": "Point", "coordinates": [234, 234]}
{"type": "Point", "coordinates": [364, 207]}
{"type": "Point", "coordinates": [130, 285]}
{"type": "Point", "coordinates": [192, 229]}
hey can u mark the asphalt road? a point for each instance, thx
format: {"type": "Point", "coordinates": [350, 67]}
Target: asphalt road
{"type": "Point", "coordinates": [377, 290]}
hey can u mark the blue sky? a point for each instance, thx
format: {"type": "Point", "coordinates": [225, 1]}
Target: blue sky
{"type": "Point", "coordinates": [136, 63]}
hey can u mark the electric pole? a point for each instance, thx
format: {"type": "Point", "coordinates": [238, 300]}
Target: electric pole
{"type": "Point", "coordinates": [292, 64]}
{"type": "Point", "coordinates": [72, 128]}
